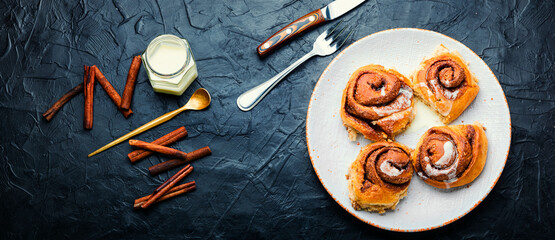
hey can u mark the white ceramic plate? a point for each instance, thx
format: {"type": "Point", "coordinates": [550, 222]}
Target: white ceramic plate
{"type": "Point", "coordinates": [331, 152]}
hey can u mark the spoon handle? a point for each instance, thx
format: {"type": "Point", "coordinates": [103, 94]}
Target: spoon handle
{"type": "Point", "coordinates": [250, 98]}
{"type": "Point", "coordinates": [159, 120]}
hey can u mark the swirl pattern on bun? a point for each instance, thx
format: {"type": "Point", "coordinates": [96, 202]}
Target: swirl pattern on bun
{"type": "Point", "coordinates": [377, 103]}
{"type": "Point", "coordinates": [445, 83]}
{"type": "Point", "coordinates": [380, 176]}
{"type": "Point", "coordinates": [451, 156]}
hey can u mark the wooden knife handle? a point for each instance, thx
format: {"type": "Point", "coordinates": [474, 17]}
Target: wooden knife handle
{"type": "Point", "coordinates": [290, 31]}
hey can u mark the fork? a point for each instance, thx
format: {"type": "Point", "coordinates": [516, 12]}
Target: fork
{"type": "Point", "coordinates": [327, 43]}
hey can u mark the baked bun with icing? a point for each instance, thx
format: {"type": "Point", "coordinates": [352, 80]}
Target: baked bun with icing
{"type": "Point", "coordinates": [445, 83]}
{"type": "Point", "coordinates": [377, 103]}
{"type": "Point", "coordinates": [451, 156]}
{"type": "Point", "coordinates": [379, 177]}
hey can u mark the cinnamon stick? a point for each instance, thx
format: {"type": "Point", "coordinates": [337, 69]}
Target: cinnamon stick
{"type": "Point", "coordinates": [88, 81]}
{"type": "Point", "coordinates": [171, 179]}
{"type": "Point", "coordinates": [158, 148]}
{"type": "Point", "coordinates": [49, 114]}
{"type": "Point", "coordinates": [165, 140]}
{"type": "Point", "coordinates": [175, 191]}
{"type": "Point", "coordinates": [176, 178]}
{"type": "Point", "coordinates": [130, 84]}
{"type": "Point", "coordinates": [110, 91]}
{"type": "Point", "coordinates": [168, 195]}
{"type": "Point", "coordinates": [176, 188]}
{"type": "Point", "coordinates": [173, 163]}
{"type": "Point", "coordinates": [164, 184]}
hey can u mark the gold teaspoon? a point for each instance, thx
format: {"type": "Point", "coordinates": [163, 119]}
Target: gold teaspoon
{"type": "Point", "coordinates": [200, 100]}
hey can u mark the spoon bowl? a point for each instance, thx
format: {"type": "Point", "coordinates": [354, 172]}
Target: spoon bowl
{"type": "Point", "coordinates": [198, 101]}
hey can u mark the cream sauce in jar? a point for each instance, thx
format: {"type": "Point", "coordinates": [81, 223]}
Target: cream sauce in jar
{"type": "Point", "coordinates": [170, 64]}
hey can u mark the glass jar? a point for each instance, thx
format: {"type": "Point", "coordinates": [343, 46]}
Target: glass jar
{"type": "Point", "coordinates": [170, 64]}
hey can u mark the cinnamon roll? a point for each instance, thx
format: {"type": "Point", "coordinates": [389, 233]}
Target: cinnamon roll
{"type": "Point", "coordinates": [379, 178]}
{"type": "Point", "coordinates": [445, 83]}
{"type": "Point", "coordinates": [451, 156]}
{"type": "Point", "coordinates": [377, 103]}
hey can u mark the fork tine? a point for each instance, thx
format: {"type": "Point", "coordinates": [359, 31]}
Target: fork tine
{"type": "Point", "coordinates": [332, 29]}
{"type": "Point", "coordinates": [336, 35]}
{"type": "Point", "coordinates": [345, 39]}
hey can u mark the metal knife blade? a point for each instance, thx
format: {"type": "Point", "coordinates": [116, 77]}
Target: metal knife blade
{"type": "Point", "coordinates": [339, 7]}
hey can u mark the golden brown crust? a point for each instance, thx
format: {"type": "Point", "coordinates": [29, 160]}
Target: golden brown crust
{"type": "Point", "coordinates": [380, 176]}
{"type": "Point", "coordinates": [445, 83]}
{"type": "Point", "coordinates": [377, 103]}
{"type": "Point", "coordinates": [450, 156]}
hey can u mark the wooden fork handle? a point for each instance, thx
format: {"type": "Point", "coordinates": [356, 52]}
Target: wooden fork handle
{"type": "Point", "coordinates": [290, 31]}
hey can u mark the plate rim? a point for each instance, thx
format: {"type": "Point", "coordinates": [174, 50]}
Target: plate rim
{"type": "Point", "coordinates": [368, 221]}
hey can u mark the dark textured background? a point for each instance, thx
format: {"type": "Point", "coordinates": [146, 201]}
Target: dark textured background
{"type": "Point", "coordinates": [259, 182]}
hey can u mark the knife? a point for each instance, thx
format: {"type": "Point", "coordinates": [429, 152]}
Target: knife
{"type": "Point", "coordinates": [327, 13]}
